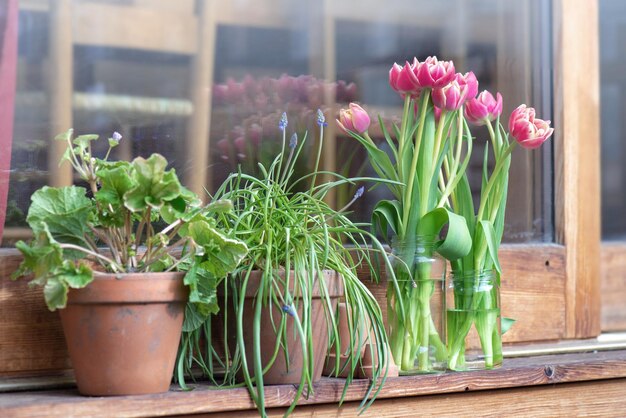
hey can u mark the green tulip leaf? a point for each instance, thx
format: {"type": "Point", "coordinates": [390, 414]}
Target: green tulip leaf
{"type": "Point", "coordinates": [489, 233]}
{"type": "Point", "coordinates": [386, 215]}
{"type": "Point", "coordinates": [458, 241]}
{"type": "Point", "coordinates": [506, 324]}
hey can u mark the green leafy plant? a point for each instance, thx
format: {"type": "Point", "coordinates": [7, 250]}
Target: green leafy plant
{"type": "Point", "coordinates": [132, 217]}
{"type": "Point", "coordinates": [289, 231]}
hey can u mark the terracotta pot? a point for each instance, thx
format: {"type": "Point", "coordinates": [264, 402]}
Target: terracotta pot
{"type": "Point", "coordinates": [279, 374]}
{"type": "Point", "coordinates": [123, 331]}
{"type": "Point", "coordinates": [369, 361]}
{"type": "Point", "coordinates": [344, 349]}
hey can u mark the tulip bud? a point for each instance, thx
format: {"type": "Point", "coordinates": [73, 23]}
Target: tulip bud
{"type": "Point", "coordinates": [483, 108]}
{"type": "Point", "coordinates": [403, 80]}
{"type": "Point", "coordinates": [354, 119]}
{"type": "Point", "coordinates": [528, 132]}
{"type": "Point", "coordinates": [433, 73]}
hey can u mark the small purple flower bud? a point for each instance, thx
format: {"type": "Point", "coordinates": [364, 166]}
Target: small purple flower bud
{"type": "Point", "coordinates": [116, 136]}
{"type": "Point", "coordinates": [283, 122]}
{"type": "Point", "coordinates": [321, 120]}
{"type": "Point", "coordinates": [359, 192]}
{"type": "Point", "coordinates": [289, 310]}
{"type": "Point", "coordinates": [293, 141]}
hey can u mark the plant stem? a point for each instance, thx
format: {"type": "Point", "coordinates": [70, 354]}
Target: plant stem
{"type": "Point", "coordinates": [493, 178]}
{"type": "Point", "coordinates": [113, 264]}
{"type": "Point", "coordinates": [412, 174]}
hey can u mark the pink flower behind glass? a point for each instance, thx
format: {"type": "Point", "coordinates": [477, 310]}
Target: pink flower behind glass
{"type": "Point", "coordinates": [483, 108]}
{"type": "Point", "coordinates": [354, 119]}
{"type": "Point", "coordinates": [528, 131]}
{"type": "Point", "coordinates": [433, 73]}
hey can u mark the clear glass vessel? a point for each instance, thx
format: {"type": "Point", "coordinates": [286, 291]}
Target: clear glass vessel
{"type": "Point", "coordinates": [416, 306]}
{"type": "Point", "coordinates": [473, 321]}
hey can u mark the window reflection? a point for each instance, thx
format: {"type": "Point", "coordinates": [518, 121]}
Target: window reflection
{"type": "Point", "coordinates": [204, 83]}
{"type": "Point", "coordinates": [612, 26]}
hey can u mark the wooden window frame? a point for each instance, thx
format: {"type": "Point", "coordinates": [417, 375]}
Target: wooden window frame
{"type": "Point", "coordinates": [553, 289]}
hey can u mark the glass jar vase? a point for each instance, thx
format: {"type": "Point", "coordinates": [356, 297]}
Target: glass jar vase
{"type": "Point", "coordinates": [474, 337]}
{"type": "Point", "coordinates": [416, 306]}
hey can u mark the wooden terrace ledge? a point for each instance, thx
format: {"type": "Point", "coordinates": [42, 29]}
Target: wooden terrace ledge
{"type": "Point", "coordinates": [529, 372]}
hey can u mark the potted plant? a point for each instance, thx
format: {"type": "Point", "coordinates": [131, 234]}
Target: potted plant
{"type": "Point", "coordinates": [112, 257]}
{"type": "Point", "coordinates": [278, 306]}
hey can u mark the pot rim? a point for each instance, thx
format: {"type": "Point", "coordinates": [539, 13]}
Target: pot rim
{"type": "Point", "coordinates": [334, 284]}
{"type": "Point", "coordinates": [150, 287]}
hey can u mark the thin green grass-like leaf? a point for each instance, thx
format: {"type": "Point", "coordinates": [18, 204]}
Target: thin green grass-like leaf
{"type": "Point", "coordinates": [486, 228]}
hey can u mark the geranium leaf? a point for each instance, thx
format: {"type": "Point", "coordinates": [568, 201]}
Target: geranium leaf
{"type": "Point", "coordinates": [55, 293]}
{"type": "Point", "coordinates": [154, 186]}
{"type": "Point", "coordinates": [64, 210]}
{"type": "Point", "coordinates": [222, 254]}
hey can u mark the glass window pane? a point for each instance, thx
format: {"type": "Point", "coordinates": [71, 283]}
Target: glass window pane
{"type": "Point", "coordinates": [612, 14]}
{"type": "Point", "coordinates": [139, 67]}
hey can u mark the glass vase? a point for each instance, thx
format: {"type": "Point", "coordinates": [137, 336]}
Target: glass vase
{"type": "Point", "coordinates": [474, 337]}
{"type": "Point", "coordinates": [416, 306]}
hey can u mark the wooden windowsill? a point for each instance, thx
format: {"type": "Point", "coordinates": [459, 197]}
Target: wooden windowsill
{"type": "Point", "coordinates": [518, 372]}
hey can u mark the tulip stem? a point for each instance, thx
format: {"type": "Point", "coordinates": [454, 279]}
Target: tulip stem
{"type": "Point", "coordinates": [492, 179]}
{"type": "Point", "coordinates": [405, 117]}
{"type": "Point", "coordinates": [409, 187]}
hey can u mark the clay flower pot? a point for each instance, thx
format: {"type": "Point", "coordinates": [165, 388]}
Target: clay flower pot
{"type": "Point", "coordinates": [345, 356]}
{"type": "Point", "coordinates": [279, 373]}
{"type": "Point", "coordinates": [123, 330]}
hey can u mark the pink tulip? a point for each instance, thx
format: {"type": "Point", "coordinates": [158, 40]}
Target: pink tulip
{"type": "Point", "coordinates": [483, 108]}
{"type": "Point", "coordinates": [403, 79]}
{"type": "Point", "coordinates": [433, 73]}
{"type": "Point", "coordinates": [470, 82]}
{"type": "Point", "coordinates": [354, 119]}
{"type": "Point", "coordinates": [457, 92]}
{"type": "Point", "coordinates": [528, 132]}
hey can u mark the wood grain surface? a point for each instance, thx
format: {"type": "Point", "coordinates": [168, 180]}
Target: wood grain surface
{"type": "Point", "coordinates": [31, 338]}
{"type": "Point", "coordinates": [605, 398]}
{"type": "Point", "coordinates": [577, 159]}
{"type": "Point", "coordinates": [613, 285]}
{"type": "Point", "coordinates": [536, 371]}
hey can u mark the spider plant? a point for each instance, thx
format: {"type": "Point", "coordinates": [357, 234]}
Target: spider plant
{"type": "Point", "coordinates": [298, 232]}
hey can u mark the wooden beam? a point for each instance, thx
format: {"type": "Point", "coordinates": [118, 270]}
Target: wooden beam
{"type": "Point", "coordinates": [60, 88]}
{"type": "Point", "coordinates": [544, 373]}
{"type": "Point", "coordinates": [576, 399]}
{"type": "Point", "coordinates": [131, 27]}
{"type": "Point", "coordinates": [613, 277]}
{"type": "Point", "coordinates": [198, 172]}
{"type": "Point", "coordinates": [577, 159]}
